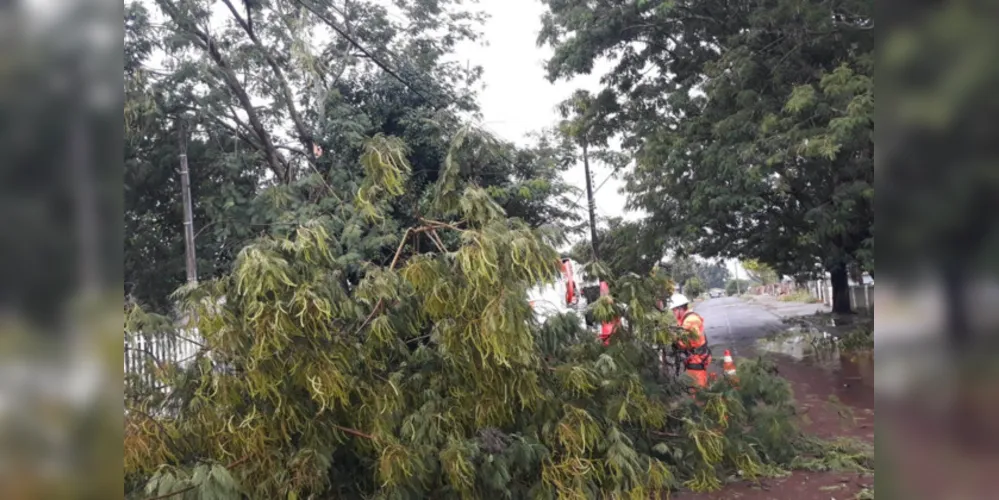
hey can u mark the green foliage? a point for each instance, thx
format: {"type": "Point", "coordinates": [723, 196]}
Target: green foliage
{"type": "Point", "coordinates": [752, 124]}
{"type": "Point", "coordinates": [385, 172]}
{"type": "Point", "coordinates": [424, 374]}
{"type": "Point", "coordinates": [714, 275]}
{"type": "Point", "coordinates": [253, 170]}
{"type": "Point", "coordinates": [840, 455]}
{"type": "Point", "coordinates": [800, 295]}
{"type": "Point", "coordinates": [759, 272]}
{"type": "Point", "coordinates": [694, 287]}
{"type": "Point", "coordinates": [205, 481]}
{"type": "Point", "coordinates": [860, 339]}
{"type": "Point", "coordinates": [622, 247]}
{"type": "Point", "coordinates": [733, 287]}
{"type": "Point", "coordinates": [711, 274]}
{"type": "Point", "coordinates": [942, 73]}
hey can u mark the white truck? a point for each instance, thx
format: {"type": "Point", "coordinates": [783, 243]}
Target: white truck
{"type": "Point", "coordinates": [563, 296]}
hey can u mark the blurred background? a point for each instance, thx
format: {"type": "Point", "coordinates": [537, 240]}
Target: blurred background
{"type": "Point", "coordinates": [60, 254]}
{"type": "Point", "coordinates": [937, 171]}
{"type": "Point", "coordinates": [937, 175]}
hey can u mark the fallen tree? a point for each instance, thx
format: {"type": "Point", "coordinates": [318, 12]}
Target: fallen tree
{"type": "Point", "coordinates": [429, 377]}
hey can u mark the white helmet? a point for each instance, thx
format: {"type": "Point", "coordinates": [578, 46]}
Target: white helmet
{"type": "Point", "coordinates": [677, 300]}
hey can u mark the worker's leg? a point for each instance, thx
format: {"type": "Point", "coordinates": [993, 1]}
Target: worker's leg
{"type": "Point", "coordinates": [700, 377]}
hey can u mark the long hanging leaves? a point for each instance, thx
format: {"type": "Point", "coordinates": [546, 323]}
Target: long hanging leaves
{"type": "Point", "coordinates": [426, 375]}
{"type": "Point", "coordinates": [386, 169]}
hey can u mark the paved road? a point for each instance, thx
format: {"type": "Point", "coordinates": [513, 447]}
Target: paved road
{"type": "Point", "coordinates": [736, 323]}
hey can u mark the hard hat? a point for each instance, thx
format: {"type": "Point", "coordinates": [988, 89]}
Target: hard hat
{"type": "Point", "coordinates": [677, 300]}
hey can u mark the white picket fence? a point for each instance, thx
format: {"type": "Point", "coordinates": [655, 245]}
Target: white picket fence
{"type": "Point", "coordinates": [861, 296]}
{"type": "Point", "coordinates": [144, 351]}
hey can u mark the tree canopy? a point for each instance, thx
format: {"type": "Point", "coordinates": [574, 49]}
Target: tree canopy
{"type": "Point", "coordinates": [752, 123]}
{"type": "Point", "coordinates": [363, 327]}
{"type": "Point", "coordinates": [428, 376]}
{"type": "Point", "coordinates": [760, 272]}
{"type": "Point", "coordinates": [266, 169]}
{"type": "Point", "coordinates": [935, 167]}
{"type": "Point", "coordinates": [622, 247]}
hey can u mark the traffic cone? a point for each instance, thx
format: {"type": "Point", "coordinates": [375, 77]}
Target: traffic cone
{"type": "Point", "coordinates": [728, 366]}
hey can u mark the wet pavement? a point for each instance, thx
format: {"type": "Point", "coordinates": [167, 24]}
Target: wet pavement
{"type": "Point", "coordinates": [739, 324]}
{"type": "Point", "coordinates": [734, 323]}
{"type": "Point", "coordinates": [834, 393]}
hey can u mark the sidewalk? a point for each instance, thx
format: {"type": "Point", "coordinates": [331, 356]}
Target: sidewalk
{"type": "Point", "coordinates": [786, 309]}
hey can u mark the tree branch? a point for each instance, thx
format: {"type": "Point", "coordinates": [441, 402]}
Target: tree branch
{"type": "Point", "coordinates": [208, 44]}
{"type": "Point", "coordinates": [159, 364]}
{"type": "Point", "coordinates": [340, 31]}
{"type": "Point", "coordinates": [436, 223]}
{"type": "Point", "coordinates": [398, 251]}
{"type": "Point", "coordinates": [354, 432]}
{"type": "Point", "coordinates": [437, 241]}
{"type": "Point", "coordinates": [193, 486]}
{"type": "Point", "coordinates": [289, 96]}
{"type": "Point", "coordinates": [235, 131]}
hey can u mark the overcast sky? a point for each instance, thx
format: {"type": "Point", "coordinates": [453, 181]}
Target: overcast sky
{"type": "Point", "coordinates": [517, 98]}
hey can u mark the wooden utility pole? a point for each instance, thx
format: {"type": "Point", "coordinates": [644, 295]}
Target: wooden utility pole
{"type": "Point", "coordinates": [738, 287]}
{"type": "Point", "coordinates": [185, 187]}
{"type": "Point", "coordinates": [592, 202]}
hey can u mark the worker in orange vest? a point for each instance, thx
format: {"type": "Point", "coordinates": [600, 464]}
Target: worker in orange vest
{"type": "Point", "coordinates": [695, 350]}
{"type": "Point", "coordinates": [607, 328]}
{"type": "Point", "coordinates": [571, 297]}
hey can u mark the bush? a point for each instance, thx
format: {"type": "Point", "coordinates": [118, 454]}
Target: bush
{"type": "Point", "coordinates": [694, 287]}
{"type": "Point", "coordinates": [733, 287]}
{"type": "Point", "coordinates": [858, 340]}
{"type": "Point", "coordinates": [799, 295]}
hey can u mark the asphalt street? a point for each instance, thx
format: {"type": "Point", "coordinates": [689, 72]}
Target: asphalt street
{"type": "Point", "coordinates": [733, 323]}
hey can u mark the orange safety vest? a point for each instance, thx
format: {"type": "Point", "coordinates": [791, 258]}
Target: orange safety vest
{"type": "Point", "coordinates": [698, 352]}
{"type": "Point", "coordinates": [692, 322]}
{"type": "Point", "coordinates": [570, 283]}
{"type": "Point", "coordinates": [607, 328]}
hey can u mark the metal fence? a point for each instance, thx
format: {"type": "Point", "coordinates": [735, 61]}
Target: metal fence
{"type": "Point", "coordinates": [776, 289]}
{"type": "Point", "coordinates": [145, 351]}
{"type": "Point", "coordinates": [861, 296]}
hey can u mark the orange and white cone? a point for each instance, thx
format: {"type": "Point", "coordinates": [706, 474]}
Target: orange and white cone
{"type": "Point", "coordinates": [728, 366]}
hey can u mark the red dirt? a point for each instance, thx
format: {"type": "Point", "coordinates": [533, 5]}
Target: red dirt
{"type": "Point", "coordinates": [798, 486]}
{"type": "Point", "coordinates": [938, 456]}
{"type": "Point", "coordinates": [849, 414]}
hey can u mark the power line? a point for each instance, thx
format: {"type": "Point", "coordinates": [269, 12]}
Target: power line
{"type": "Point", "coordinates": [340, 31]}
{"type": "Point", "coordinates": [445, 95]}
{"type": "Point", "coordinates": [580, 197]}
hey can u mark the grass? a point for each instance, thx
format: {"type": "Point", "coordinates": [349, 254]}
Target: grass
{"type": "Point", "coordinates": [839, 455]}
{"type": "Point", "coordinates": [798, 296]}
{"type": "Point", "coordinates": [860, 339]}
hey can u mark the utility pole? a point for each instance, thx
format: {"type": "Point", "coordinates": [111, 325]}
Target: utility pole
{"type": "Point", "coordinates": [738, 287]}
{"type": "Point", "coordinates": [592, 202]}
{"type": "Point", "coordinates": [185, 187]}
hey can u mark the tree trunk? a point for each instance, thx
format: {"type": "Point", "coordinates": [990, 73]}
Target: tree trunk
{"type": "Point", "coordinates": [592, 202]}
{"type": "Point", "coordinates": [87, 225]}
{"type": "Point", "coordinates": [955, 300]}
{"type": "Point", "coordinates": [840, 289]}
